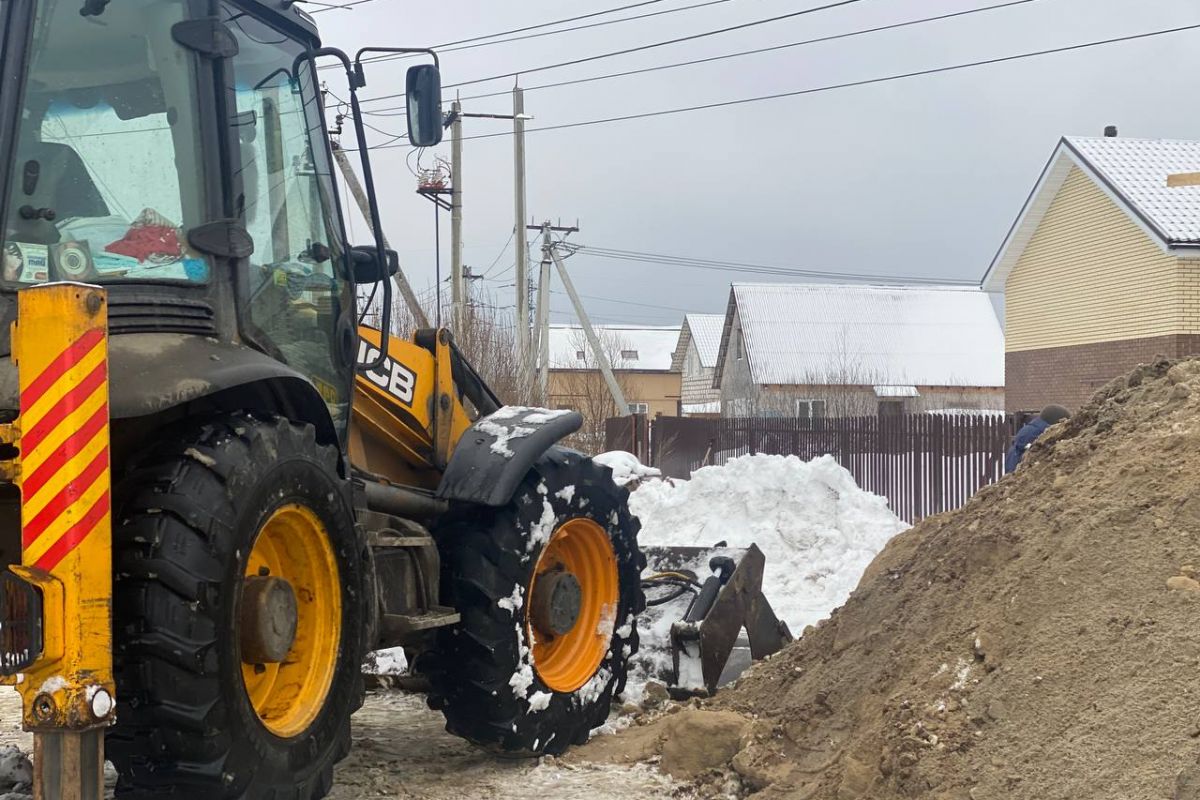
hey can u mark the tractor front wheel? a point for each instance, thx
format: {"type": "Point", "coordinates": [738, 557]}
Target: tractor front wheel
{"type": "Point", "coordinates": [239, 615]}
{"type": "Point", "coordinates": [549, 591]}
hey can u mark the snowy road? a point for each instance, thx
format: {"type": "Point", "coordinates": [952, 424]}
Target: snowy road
{"type": "Point", "coordinates": [401, 752]}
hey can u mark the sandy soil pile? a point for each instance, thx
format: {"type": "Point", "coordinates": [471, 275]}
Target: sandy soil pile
{"type": "Point", "coordinates": [1042, 642]}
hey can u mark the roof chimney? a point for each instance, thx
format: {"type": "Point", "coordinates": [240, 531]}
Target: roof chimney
{"type": "Point", "coordinates": [1110, 131]}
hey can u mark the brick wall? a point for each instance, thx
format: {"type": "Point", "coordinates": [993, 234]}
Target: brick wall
{"type": "Point", "coordinates": [1070, 375]}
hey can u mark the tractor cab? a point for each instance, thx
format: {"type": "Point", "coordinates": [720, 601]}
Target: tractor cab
{"type": "Point", "coordinates": [176, 153]}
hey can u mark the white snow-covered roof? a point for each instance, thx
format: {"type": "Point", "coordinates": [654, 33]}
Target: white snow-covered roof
{"type": "Point", "coordinates": [896, 391]}
{"type": "Point", "coordinates": [706, 333]}
{"type": "Point", "coordinates": [629, 347]}
{"type": "Point", "coordinates": [867, 335]}
{"type": "Point", "coordinates": [1137, 169]}
{"type": "Point", "coordinates": [1133, 172]}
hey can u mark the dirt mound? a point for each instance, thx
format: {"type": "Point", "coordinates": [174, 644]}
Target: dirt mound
{"type": "Point", "coordinates": [1042, 642]}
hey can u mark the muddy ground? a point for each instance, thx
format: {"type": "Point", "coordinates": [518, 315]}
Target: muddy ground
{"type": "Point", "coordinates": [402, 752]}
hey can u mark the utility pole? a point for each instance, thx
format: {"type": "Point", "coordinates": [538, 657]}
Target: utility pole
{"type": "Point", "coordinates": [360, 197]}
{"type": "Point", "coordinates": [457, 289]}
{"type": "Point", "coordinates": [601, 357]}
{"type": "Point", "coordinates": [457, 295]}
{"type": "Point", "coordinates": [543, 319]}
{"type": "Point", "coordinates": [524, 352]}
{"type": "Point", "coordinates": [541, 342]}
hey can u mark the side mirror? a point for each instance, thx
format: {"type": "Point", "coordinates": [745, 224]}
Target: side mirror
{"type": "Point", "coordinates": [370, 268]}
{"type": "Point", "coordinates": [423, 91]}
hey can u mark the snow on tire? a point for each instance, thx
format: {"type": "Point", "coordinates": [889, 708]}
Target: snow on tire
{"type": "Point", "coordinates": [484, 673]}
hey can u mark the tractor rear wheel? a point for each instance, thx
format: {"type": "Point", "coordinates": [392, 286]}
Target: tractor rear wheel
{"type": "Point", "coordinates": [549, 591]}
{"type": "Point", "coordinates": [239, 615]}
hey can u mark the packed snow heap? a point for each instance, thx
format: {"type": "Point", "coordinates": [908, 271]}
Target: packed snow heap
{"type": "Point", "coordinates": [817, 529]}
{"type": "Point", "coordinates": [1039, 643]}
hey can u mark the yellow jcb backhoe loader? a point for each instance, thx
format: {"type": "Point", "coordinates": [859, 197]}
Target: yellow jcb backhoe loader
{"type": "Point", "coordinates": [219, 492]}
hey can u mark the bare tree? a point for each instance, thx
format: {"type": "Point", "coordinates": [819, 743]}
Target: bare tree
{"type": "Point", "coordinates": [487, 339]}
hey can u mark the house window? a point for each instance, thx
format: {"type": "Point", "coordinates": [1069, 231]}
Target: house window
{"type": "Point", "coordinates": [810, 409]}
{"type": "Point", "coordinates": [639, 408]}
{"type": "Point", "coordinates": [741, 348]}
{"type": "Point", "coordinates": [579, 354]}
{"type": "Point", "coordinates": [629, 355]}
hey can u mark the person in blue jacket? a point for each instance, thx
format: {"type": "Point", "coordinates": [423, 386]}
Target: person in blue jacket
{"type": "Point", "coordinates": [1029, 433]}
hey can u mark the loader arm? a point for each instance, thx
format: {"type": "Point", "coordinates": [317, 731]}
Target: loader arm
{"type": "Point", "coordinates": [408, 416]}
{"type": "Point", "coordinates": [412, 426]}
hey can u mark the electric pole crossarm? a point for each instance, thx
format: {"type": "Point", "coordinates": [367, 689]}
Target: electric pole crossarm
{"type": "Point", "coordinates": [601, 359]}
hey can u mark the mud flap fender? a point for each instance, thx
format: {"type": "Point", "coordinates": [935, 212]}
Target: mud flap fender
{"type": "Point", "coordinates": [496, 453]}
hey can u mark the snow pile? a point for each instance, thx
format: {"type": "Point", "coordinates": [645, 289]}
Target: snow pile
{"type": "Point", "coordinates": [626, 468]}
{"type": "Point", "coordinates": [391, 661]}
{"type": "Point", "coordinates": [816, 527]}
{"type": "Point", "coordinates": [16, 772]}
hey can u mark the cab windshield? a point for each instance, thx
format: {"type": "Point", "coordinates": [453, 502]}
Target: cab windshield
{"type": "Point", "coordinates": [105, 185]}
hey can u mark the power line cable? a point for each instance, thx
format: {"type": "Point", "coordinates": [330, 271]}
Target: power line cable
{"type": "Point", "coordinates": [587, 26]}
{"type": "Point", "coordinates": [499, 255]}
{"type": "Point", "coordinates": [742, 53]}
{"type": "Point", "coordinates": [608, 319]}
{"type": "Point", "coordinates": [654, 45]}
{"type": "Point", "coordinates": [552, 23]}
{"type": "Point", "coordinates": [757, 269]}
{"type": "Point", "coordinates": [837, 86]}
{"type": "Point", "coordinates": [442, 50]}
{"type": "Point", "coordinates": [623, 302]}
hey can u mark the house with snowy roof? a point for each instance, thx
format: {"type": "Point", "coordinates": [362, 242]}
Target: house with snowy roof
{"type": "Point", "coordinates": [641, 357]}
{"type": "Point", "coordinates": [696, 361]}
{"type": "Point", "coordinates": [826, 350]}
{"type": "Point", "coordinates": [1101, 269]}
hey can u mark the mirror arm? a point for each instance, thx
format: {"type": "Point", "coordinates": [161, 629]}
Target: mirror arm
{"type": "Point", "coordinates": [358, 56]}
{"type": "Point", "coordinates": [360, 131]}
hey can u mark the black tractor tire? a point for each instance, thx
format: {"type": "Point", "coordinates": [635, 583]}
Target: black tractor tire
{"type": "Point", "coordinates": [487, 553]}
{"type": "Point", "coordinates": [186, 515]}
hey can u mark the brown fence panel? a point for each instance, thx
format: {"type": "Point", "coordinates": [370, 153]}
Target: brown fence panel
{"type": "Point", "coordinates": [682, 444]}
{"type": "Point", "coordinates": [922, 463]}
{"type": "Point", "coordinates": [631, 434]}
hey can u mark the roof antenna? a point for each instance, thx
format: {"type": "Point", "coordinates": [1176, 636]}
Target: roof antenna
{"type": "Point", "coordinates": [1110, 131]}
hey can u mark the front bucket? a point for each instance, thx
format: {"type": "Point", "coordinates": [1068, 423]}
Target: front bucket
{"type": "Point", "coordinates": [706, 618]}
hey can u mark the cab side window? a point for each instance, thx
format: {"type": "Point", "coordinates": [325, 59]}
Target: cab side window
{"type": "Point", "coordinates": [300, 300]}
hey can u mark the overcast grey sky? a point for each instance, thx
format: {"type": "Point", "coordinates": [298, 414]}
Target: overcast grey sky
{"type": "Point", "coordinates": [921, 176]}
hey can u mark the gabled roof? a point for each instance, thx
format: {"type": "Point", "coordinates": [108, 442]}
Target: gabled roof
{"type": "Point", "coordinates": [705, 331]}
{"type": "Point", "coordinates": [1133, 172]}
{"type": "Point", "coordinates": [866, 335]}
{"type": "Point", "coordinates": [653, 346]}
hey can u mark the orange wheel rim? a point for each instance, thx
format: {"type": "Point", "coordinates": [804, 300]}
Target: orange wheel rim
{"type": "Point", "coordinates": [294, 545]}
{"type": "Point", "coordinates": [582, 548]}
